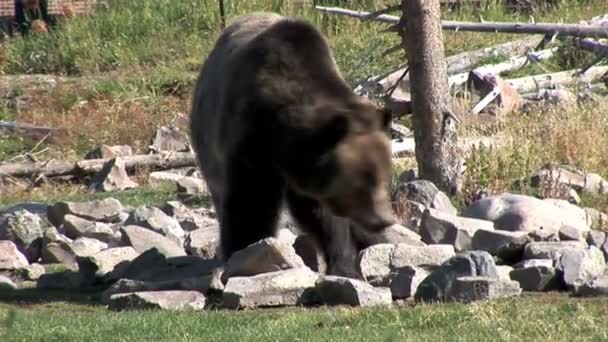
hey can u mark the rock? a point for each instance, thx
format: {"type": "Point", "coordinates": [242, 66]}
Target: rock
{"type": "Point", "coordinates": [76, 227]}
{"type": "Point", "coordinates": [392, 234]}
{"type": "Point", "coordinates": [410, 213]}
{"type": "Point", "coordinates": [286, 235]}
{"type": "Point", "coordinates": [156, 220]}
{"type": "Point", "coordinates": [504, 271]}
{"type": "Point", "coordinates": [6, 284]}
{"type": "Point", "coordinates": [578, 180]}
{"type": "Point", "coordinates": [426, 193]}
{"type": "Point", "coordinates": [86, 246]}
{"type": "Point", "coordinates": [58, 252]}
{"type": "Point", "coordinates": [534, 263]}
{"type": "Point", "coordinates": [113, 176]}
{"type": "Point", "coordinates": [170, 138]}
{"type": "Point", "coordinates": [380, 260]}
{"type": "Point", "coordinates": [513, 212]}
{"type": "Point", "coordinates": [596, 238]}
{"type": "Point", "coordinates": [25, 230]}
{"type": "Point", "coordinates": [441, 228]}
{"type": "Point", "coordinates": [537, 278]}
{"type": "Point", "coordinates": [569, 233]}
{"type": "Point", "coordinates": [202, 284]}
{"type": "Point", "coordinates": [504, 244]}
{"type": "Point", "coordinates": [402, 282]}
{"type": "Point", "coordinates": [109, 152]}
{"type": "Point", "coordinates": [164, 300]}
{"type": "Point", "coordinates": [286, 287]}
{"type": "Point", "coordinates": [51, 234]}
{"type": "Point", "coordinates": [594, 287]}
{"type": "Point", "coordinates": [204, 242]}
{"type": "Point", "coordinates": [31, 272]}
{"type": "Point", "coordinates": [580, 266]}
{"type": "Point", "coordinates": [306, 247]}
{"type": "Point", "coordinates": [142, 239]}
{"type": "Point", "coordinates": [162, 177]}
{"type": "Point", "coordinates": [508, 99]}
{"type": "Point", "coordinates": [334, 290]}
{"type": "Point", "coordinates": [438, 286]}
{"type": "Point", "coordinates": [268, 255]}
{"type": "Point", "coordinates": [473, 288]}
{"type": "Point", "coordinates": [191, 186]}
{"type": "Point", "coordinates": [599, 219]}
{"type": "Point", "coordinates": [102, 263]}
{"type": "Point", "coordinates": [106, 210]}
{"type": "Point", "coordinates": [187, 218]}
{"type": "Point", "coordinates": [67, 280]}
{"type": "Point", "coordinates": [550, 250]}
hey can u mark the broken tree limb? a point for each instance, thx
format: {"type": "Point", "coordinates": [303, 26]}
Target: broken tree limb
{"type": "Point", "coordinates": [55, 168]}
{"type": "Point", "coordinates": [529, 84]}
{"type": "Point", "coordinates": [598, 48]}
{"type": "Point", "coordinates": [8, 128]}
{"type": "Point", "coordinates": [575, 30]}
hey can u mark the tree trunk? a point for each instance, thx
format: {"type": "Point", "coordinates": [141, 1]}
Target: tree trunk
{"type": "Point", "coordinates": [435, 131]}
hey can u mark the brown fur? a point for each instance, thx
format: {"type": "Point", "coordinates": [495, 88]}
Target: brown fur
{"type": "Point", "coordinates": [273, 121]}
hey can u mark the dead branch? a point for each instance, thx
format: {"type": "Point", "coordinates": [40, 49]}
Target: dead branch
{"type": "Point", "coordinates": [22, 129]}
{"type": "Point", "coordinates": [529, 84]}
{"type": "Point", "coordinates": [594, 46]}
{"type": "Point", "coordinates": [575, 30]}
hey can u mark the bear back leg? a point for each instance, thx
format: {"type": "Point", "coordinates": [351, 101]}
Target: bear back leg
{"type": "Point", "coordinates": [333, 234]}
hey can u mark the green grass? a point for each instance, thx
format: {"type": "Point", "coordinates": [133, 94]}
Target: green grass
{"type": "Point", "coordinates": [549, 317]}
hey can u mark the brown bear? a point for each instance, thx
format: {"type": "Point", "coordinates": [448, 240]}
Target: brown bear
{"type": "Point", "coordinates": [274, 122]}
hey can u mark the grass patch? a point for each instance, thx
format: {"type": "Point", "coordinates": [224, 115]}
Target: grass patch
{"type": "Point", "coordinates": [546, 317]}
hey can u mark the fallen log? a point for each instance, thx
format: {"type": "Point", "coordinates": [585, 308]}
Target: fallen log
{"type": "Point", "coordinates": [594, 46]}
{"type": "Point", "coordinates": [532, 83]}
{"type": "Point", "coordinates": [575, 30]}
{"type": "Point", "coordinates": [8, 128]}
{"type": "Point", "coordinates": [55, 168]}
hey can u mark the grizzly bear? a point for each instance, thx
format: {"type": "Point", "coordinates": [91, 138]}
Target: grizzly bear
{"type": "Point", "coordinates": [272, 123]}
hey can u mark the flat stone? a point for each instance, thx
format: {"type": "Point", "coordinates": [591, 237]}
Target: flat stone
{"type": "Point", "coordinates": [25, 230]}
{"type": "Point", "coordinates": [335, 290]}
{"type": "Point", "coordinates": [379, 260]}
{"type": "Point", "coordinates": [593, 288]}
{"type": "Point", "coordinates": [204, 242]}
{"type": "Point", "coordinates": [102, 263]}
{"type": "Point", "coordinates": [191, 186]}
{"type": "Point", "coordinates": [504, 244]}
{"type": "Point", "coordinates": [550, 250]}
{"type": "Point", "coordinates": [474, 288]}
{"type": "Point", "coordinates": [504, 271]}
{"type": "Point", "coordinates": [569, 233]}
{"type": "Point", "coordinates": [142, 239]}
{"type": "Point", "coordinates": [113, 176]}
{"type": "Point", "coordinates": [58, 252]}
{"type": "Point", "coordinates": [392, 234]}
{"type": "Point", "coordinates": [164, 300]}
{"type": "Point", "coordinates": [534, 263]}
{"type": "Point", "coordinates": [537, 278]}
{"type": "Point", "coordinates": [596, 238]}
{"type": "Point", "coordinates": [156, 220]}
{"type": "Point", "coordinates": [84, 246]}
{"type": "Point", "coordinates": [288, 287]}
{"type": "Point", "coordinates": [438, 227]}
{"type": "Point", "coordinates": [31, 272]}
{"type": "Point", "coordinates": [75, 227]}
{"type": "Point", "coordinates": [438, 285]}
{"type": "Point", "coordinates": [402, 282]}
{"type": "Point", "coordinates": [268, 255]}
{"type": "Point", "coordinates": [106, 210]}
{"type": "Point", "coordinates": [580, 266]}
{"type": "Point", "coordinates": [426, 193]}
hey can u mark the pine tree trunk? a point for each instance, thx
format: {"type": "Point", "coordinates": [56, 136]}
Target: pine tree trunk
{"type": "Point", "coordinates": [435, 129]}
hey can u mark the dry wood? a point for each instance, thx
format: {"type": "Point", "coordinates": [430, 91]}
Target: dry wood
{"type": "Point", "coordinates": [598, 48]}
{"type": "Point", "coordinates": [55, 168]}
{"type": "Point", "coordinates": [575, 30]}
{"type": "Point", "coordinates": [529, 84]}
{"type": "Point", "coordinates": [8, 128]}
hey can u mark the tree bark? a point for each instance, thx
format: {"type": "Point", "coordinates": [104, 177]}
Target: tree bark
{"type": "Point", "coordinates": [435, 131]}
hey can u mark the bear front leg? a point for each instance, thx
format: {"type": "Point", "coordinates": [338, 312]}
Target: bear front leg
{"type": "Point", "coordinates": [333, 233]}
{"type": "Point", "coordinates": [250, 207]}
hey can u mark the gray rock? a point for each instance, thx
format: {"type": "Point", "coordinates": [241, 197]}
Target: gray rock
{"type": "Point", "coordinates": [534, 263]}
{"type": "Point", "coordinates": [580, 181]}
{"type": "Point", "coordinates": [86, 246]}
{"type": "Point", "coordinates": [599, 220]}
{"type": "Point", "coordinates": [513, 212]}
{"type": "Point", "coordinates": [393, 234]}
{"type": "Point", "coordinates": [164, 300]}
{"type": "Point", "coordinates": [504, 244]}
{"type": "Point", "coordinates": [569, 233]}
{"type": "Point", "coordinates": [334, 290]}
{"type": "Point", "coordinates": [31, 272]}
{"type": "Point", "coordinates": [438, 227]}
{"type": "Point", "coordinates": [504, 271]}
{"type": "Point", "coordinates": [473, 288]}
{"type": "Point", "coordinates": [113, 176]}
{"type": "Point", "coordinates": [170, 138]}
{"type": "Point", "coordinates": [51, 234]}
{"type": "Point", "coordinates": [596, 238]}
{"type": "Point", "coordinates": [162, 177]}
{"type": "Point", "coordinates": [191, 186]}
{"type": "Point", "coordinates": [75, 227]}
{"type": "Point", "coordinates": [426, 193]}
{"type": "Point", "coordinates": [189, 219]}
{"type": "Point", "coordinates": [410, 213]}
{"type": "Point", "coordinates": [156, 220]}
{"type": "Point", "coordinates": [25, 230]}
{"type": "Point", "coordinates": [6, 284]}
{"type": "Point", "coordinates": [438, 285]}
{"type": "Point", "coordinates": [287, 287]}
{"type": "Point", "coordinates": [380, 260]}
{"type": "Point", "coordinates": [402, 282]}
{"type": "Point", "coordinates": [537, 278]}
{"type": "Point", "coordinates": [109, 152]}
{"type": "Point", "coordinates": [67, 280]}
{"type": "Point", "coordinates": [580, 266]}
{"type": "Point", "coordinates": [106, 210]}
{"type": "Point", "coordinates": [593, 288]}
{"type": "Point", "coordinates": [306, 247]}
{"type": "Point", "coordinates": [551, 250]}
{"type": "Point", "coordinates": [204, 242]}
{"type": "Point", "coordinates": [268, 255]}
{"type": "Point", "coordinates": [58, 252]}
{"type": "Point", "coordinates": [102, 263]}
{"type": "Point", "coordinates": [142, 239]}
